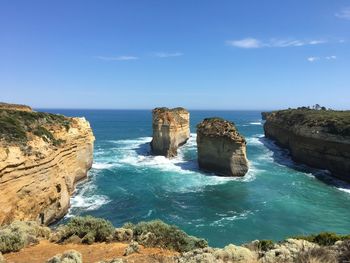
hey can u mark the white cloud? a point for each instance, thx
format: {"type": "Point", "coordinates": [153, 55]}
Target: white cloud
{"type": "Point", "coordinates": [245, 43]}
{"type": "Point", "coordinates": [120, 58]}
{"type": "Point", "coordinates": [313, 59]}
{"type": "Point", "coordinates": [274, 42]}
{"type": "Point", "coordinates": [167, 54]}
{"type": "Point", "coordinates": [344, 14]}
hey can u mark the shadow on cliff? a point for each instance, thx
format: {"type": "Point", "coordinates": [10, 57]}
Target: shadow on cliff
{"type": "Point", "coordinates": [282, 156]}
{"type": "Point", "coordinates": [144, 149]}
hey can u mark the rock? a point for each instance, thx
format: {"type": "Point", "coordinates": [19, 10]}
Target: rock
{"type": "Point", "coordinates": [42, 158]}
{"type": "Point", "coordinates": [133, 247]}
{"type": "Point", "coordinates": [171, 129]}
{"type": "Point", "coordinates": [70, 256]}
{"type": "Point", "coordinates": [287, 251]}
{"type": "Point", "coordinates": [74, 240]}
{"type": "Point", "coordinates": [123, 234]}
{"type": "Point", "coordinates": [221, 149]}
{"type": "Point", "coordinates": [318, 138]}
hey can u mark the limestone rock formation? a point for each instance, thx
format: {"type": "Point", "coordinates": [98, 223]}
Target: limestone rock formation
{"type": "Point", "coordinates": [42, 157]}
{"type": "Point", "coordinates": [221, 149]}
{"type": "Point", "coordinates": [318, 138]}
{"type": "Point", "coordinates": [171, 129]}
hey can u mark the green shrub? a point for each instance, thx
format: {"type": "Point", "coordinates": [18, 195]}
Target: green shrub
{"type": "Point", "coordinates": [19, 234]}
{"type": "Point", "coordinates": [11, 241]}
{"type": "Point", "coordinates": [88, 228]}
{"type": "Point", "coordinates": [324, 238]}
{"type": "Point", "coordinates": [159, 234]}
{"type": "Point", "coordinates": [266, 245]}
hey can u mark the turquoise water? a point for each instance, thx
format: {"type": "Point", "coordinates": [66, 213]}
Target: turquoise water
{"type": "Point", "coordinates": [276, 199]}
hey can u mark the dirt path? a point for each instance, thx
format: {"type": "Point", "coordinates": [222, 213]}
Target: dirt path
{"type": "Point", "coordinates": [91, 253]}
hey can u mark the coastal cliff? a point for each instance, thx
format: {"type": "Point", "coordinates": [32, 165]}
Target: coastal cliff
{"type": "Point", "coordinates": [318, 138]}
{"type": "Point", "coordinates": [171, 129]}
{"type": "Point", "coordinates": [42, 157]}
{"type": "Point", "coordinates": [221, 149]}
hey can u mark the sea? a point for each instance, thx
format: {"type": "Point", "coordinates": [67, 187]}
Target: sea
{"type": "Point", "coordinates": [276, 199]}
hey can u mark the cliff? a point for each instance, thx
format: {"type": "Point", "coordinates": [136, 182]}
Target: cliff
{"type": "Point", "coordinates": [318, 138]}
{"type": "Point", "coordinates": [171, 129]}
{"type": "Point", "coordinates": [42, 157]}
{"type": "Point", "coordinates": [221, 149]}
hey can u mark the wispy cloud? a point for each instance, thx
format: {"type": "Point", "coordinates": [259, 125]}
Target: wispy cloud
{"type": "Point", "coordinates": [120, 58]}
{"type": "Point", "coordinates": [245, 43]}
{"type": "Point", "coordinates": [344, 14]}
{"type": "Point", "coordinates": [168, 55]}
{"type": "Point", "coordinates": [313, 59]}
{"type": "Point", "coordinates": [274, 42]}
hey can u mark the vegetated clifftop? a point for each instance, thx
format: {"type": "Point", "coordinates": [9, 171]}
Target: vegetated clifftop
{"type": "Point", "coordinates": [42, 157]}
{"type": "Point", "coordinates": [221, 149]}
{"type": "Point", "coordinates": [171, 129]}
{"type": "Point", "coordinates": [318, 138]}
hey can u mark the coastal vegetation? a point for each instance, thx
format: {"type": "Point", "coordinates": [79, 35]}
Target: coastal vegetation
{"type": "Point", "coordinates": [330, 121]}
{"type": "Point", "coordinates": [159, 234]}
{"type": "Point", "coordinates": [323, 247]}
{"type": "Point", "coordinates": [16, 126]}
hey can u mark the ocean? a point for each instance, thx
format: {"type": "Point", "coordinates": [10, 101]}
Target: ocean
{"type": "Point", "coordinates": [276, 199]}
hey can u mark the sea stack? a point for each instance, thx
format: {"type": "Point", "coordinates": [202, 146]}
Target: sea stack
{"type": "Point", "coordinates": [42, 157]}
{"type": "Point", "coordinates": [318, 138]}
{"type": "Point", "coordinates": [171, 129]}
{"type": "Point", "coordinates": [221, 149]}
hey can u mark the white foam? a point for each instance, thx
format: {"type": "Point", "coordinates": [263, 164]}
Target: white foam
{"type": "Point", "coordinates": [101, 166]}
{"type": "Point", "coordinates": [89, 203]}
{"type": "Point", "coordinates": [255, 123]}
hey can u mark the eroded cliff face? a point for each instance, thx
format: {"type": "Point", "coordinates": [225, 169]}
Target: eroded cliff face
{"type": "Point", "coordinates": [171, 129]}
{"type": "Point", "coordinates": [42, 157]}
{"type": "Point", "coordinates": [221, 149]}
{"type": "Point", "coordinates": [318, 139]}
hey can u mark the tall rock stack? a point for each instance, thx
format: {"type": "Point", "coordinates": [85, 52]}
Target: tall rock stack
{"type": "Point", "coordinates": [221, 149]}
{"type": "Point", "coordinates": [171, 129]}
{"type": "Point", "coordinates": [42, 157]}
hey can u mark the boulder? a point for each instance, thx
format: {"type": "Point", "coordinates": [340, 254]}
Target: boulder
{"type": "Point", "coordinates": [171, 129]}
{"type": "Point", "coordinates": [221, 149]}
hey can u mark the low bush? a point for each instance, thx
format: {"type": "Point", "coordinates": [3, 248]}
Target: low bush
{"type": "Point", "coordinates": [324, 238]}
{"type": "Point", "coordinates": [316, 255]}
{"type": "Point", "coordinates": [159, 234]}
{"type": "Point", "coordinates": [11, 241]}
{"type": "Point", "coordinates": [19, 234]}
{"type": "Point", "coordinates": [344, 252]}
{"type": "Point", "coordinates": [265, 245]}
{"type": "Point", "coordinates": [89, 228]}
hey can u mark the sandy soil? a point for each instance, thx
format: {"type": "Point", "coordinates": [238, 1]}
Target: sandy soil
{"type": "Point", "coordinates": [91, 253]}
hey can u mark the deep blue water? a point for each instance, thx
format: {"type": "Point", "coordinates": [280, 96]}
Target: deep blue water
{"type": "Point", "coordinates": [276, 199]}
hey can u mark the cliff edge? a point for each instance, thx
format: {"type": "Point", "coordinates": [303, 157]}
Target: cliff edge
{"type": "Point", "coordinates": [42, 157]}
{"type": "Point", "coordinates": [171, 129]}
{"type": "Point", "coordinates": [221, 149]}
{"type": "Point", "coordinates": [318, 138]}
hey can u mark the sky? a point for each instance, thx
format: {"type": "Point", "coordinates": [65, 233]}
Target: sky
{"type": "Point", "coordinates": [229, 55]}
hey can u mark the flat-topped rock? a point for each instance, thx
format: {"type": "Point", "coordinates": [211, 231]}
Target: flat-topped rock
{"type": "Point", "coordinates": [171, 129]}
{"type": "Point", "coordinates": [221, 149]}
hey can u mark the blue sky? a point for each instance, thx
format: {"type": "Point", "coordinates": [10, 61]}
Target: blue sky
{"type": "Point", "coordinates": [198, 54]}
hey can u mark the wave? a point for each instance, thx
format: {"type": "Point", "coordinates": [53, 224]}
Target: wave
{"type": "Point", "coordinates": [255, 123]}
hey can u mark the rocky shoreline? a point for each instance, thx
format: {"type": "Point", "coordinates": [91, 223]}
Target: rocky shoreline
{"type": "Point", "coordinates": [318, 138]}
{"type": "Point", "coordinates": [42, 157]}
